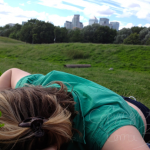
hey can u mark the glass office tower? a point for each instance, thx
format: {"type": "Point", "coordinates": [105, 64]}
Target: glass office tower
{"type": "Point", "coordinates": [93, 20]}
{"type": "Point", "coordinates": [115, 25]}
{"type": "Point", "coordinates": [75, 21]}
{"type": "Point", "coordinates": [68, 25]}
{"type": "Point", "coordinates": [104, 22]}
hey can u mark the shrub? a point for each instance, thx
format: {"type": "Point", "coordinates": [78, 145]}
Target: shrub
{"type": "Point", "coordinates": [121, 35]}
{"type": "Point", "coordinates": [132, 39]}
{"type": "Point", "coordinates": [144, 41]}
{"type": "Point", "coordinates": [77, 54]}
{"type": "Point", "coordinates": [143, 33]}
{"type": "Point", "coordinates": [148, 42]}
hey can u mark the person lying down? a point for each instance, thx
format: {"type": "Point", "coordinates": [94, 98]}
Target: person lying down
{"type": "Point", "coordinates": [61, 111]}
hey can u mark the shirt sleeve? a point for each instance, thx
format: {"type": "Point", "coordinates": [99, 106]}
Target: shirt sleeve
{"type": "Point", "coordinates": [102, 122]}
{"type": "Point", "coordinates": [33, 79]}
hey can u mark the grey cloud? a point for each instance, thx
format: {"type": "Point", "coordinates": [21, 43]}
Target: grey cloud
{"type": "Point", "coordinates": [106, 12]}
{"type": "Point", "coordinates": [22, 16]}
{"type": "Point", "coordinates": [1, 4]}
{"type": "Point", "coordinates": [134, 5]}
{"type": "Point", "coordinates": [4, 13]}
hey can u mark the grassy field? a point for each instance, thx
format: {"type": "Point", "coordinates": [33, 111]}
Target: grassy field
{"type": "Point", "coordinates": [131, 74]}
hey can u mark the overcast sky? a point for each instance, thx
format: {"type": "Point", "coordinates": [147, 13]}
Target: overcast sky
{"type": "Point", "coordinates": [127, 12]}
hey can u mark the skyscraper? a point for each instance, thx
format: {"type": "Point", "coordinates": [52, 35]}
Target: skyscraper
{"type": "Point", "coordinates": [93, 20]}
{"type": "Point", "coordinates": [115, 25]}
{"type": "Point", "coordinates": [75, 21]}
{"type": "Point", "coordinates": [24, 22]}
{"type": "Point", "coordinates": [74, 24]}
{"type": "Point", "coordinates": [11, 24]}
{"type": "Point", "coordinates": [68, 25]}
{"type": "Point", "coordinates": [104, 22]}
{"type": "Point", "coordinates": [81, 25]}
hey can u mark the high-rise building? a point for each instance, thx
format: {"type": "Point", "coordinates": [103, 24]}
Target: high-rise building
{"type": "Point", "coordinates": [115, 25]}
{"type": "Point", "coordinates": [104, 22]}
{"type": "Point", "coordinates": [11, 24]}
{"type": "Point", "coordinates": [68, 25]}
{"type": "Point", "coordinates": [24, 22]}
{"type": "Point", "coordinates": [93, 20]}
{"type": "Point", "coordinates": [75, 21]}
{"type": "Point", "coordinates": [74, 24]}
{"type": "Point", "coordinates": [81, 25]}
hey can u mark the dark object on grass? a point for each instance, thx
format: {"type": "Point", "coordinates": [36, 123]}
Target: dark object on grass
{"type": "Point", "coordinates": [78, 66]}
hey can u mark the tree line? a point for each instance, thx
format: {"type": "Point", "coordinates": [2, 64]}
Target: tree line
{"type": "Point", "coordinates": [37, 32]}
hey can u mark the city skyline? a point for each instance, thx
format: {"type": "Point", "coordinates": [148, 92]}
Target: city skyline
{"type": "Point", "coordinates": [127, 13]}
{"type": "Point", "coordinates": [93, 20]}
{"type": "Point", "coordinates": [104, 22]}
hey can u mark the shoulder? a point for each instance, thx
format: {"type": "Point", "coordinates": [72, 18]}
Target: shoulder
{"type": "Point", "coordinates": [126, 137]}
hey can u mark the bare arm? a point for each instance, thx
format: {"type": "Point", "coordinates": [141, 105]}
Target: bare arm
{"type": "Point", "coordinates": [10, 78]}
{"type": "Point", "coordinates": [125, 138]}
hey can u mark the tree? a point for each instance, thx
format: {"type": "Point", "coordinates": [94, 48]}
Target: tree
{"type": "Point", "coordinates": [104, 34]}
{"type": "Point", "coordinates": [148, 42]}
{"type": "Point", "coordinates": [88, 32]}
{"type": "Point", "coordinates": [145, 40]}
{"type": "Point", "coordinates": [136, 29]}
{"type": "Point", "coordinates": [12, 35]}
{"type": "Point", "coordinates": [121, 35]}
{"type": "Point", "coordinates": [61, 34]}
{"type": "Point", "coordinates": [132, 39]}
{"type": "Point", "coordinates": [75, 35]}
{"type": "Point", "coordinates": [142, 34]}
{"type": "Point", "coordinates": [26, 32]}
{"type": "Point", "coordinates": [35, 31]}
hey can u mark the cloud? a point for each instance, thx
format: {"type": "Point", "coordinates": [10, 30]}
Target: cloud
{"type": "Point", "coordinates": [1, 2]}
{"type": "Point", "coordinates": [128, 25]}
{"type": "Point", "coordinates": [17, 15]}
{"type": "Point", "coordinates": [126, 13]}
{"type": "Point", "coordinates": [21, 4]}
{"type": "Point", "coordinates": [139, 25]}
{"type": "Point", "coordinates": [4, 13]}
{"type": "Point", "coordinates": [147, 25]}
{"type": "Point", "coordinates": [133, 5]}
{"type": "Point", "coordinates": [85, 24]}
{"type": "Point", "coordinates": [10, 14]}
{"type": "Point", "coordinates": [89, 8]}
{"type": "Point", "coordinates": [22, 16]}
{"type": "Point", "coordinates": [28, 2]}
{"type": "Point", "coordinates": [138, 8]}
{"type": "Point", "coordinates": [58, 4]}
{"type": "Point", "coordinates": [58, 20]}
{"type": "Point", "coordinates": [98, 11]}
{"type": "Point", "coordinates": [127, 8]}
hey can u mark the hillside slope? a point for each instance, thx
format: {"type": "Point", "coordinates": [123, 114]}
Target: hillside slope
{"type": "Point", "coordinates": [9, 40]}
{"type": "Point", "coordinates": [131, 74]}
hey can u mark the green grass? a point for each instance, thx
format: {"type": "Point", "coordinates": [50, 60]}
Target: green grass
{"type": "Point", "coordinates": [8, 40]}
{"type": "Point", "coordinates": [131, 74]}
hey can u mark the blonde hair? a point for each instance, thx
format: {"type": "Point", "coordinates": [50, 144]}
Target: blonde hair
{"type": "Point", "coordinates": [54, 104]}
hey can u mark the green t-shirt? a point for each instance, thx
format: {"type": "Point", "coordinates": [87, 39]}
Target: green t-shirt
{"type": "Point", "coordinates": [101, 111]}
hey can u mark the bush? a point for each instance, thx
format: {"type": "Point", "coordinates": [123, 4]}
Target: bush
{"type": "Point", "coordinates": [12, 35]}
{"type": "Point", "coordinates": [77, 54]}
{"type": "Point", "coordinates": [146, 38]}
{"type": "Point", "coordinates": [148, 42]}
{"type": "Point", "coordinates": [121, 35]}
{"type": "Point", "coordinates": [143, 33]}
{"type": "Point", "coordinates": [132, 39]}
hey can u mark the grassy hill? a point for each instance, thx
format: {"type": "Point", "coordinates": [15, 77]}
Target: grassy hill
{"type": "Point", "coordinates": [131, 74]}
{"type": "Point", "coordinates": [9, 40]}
